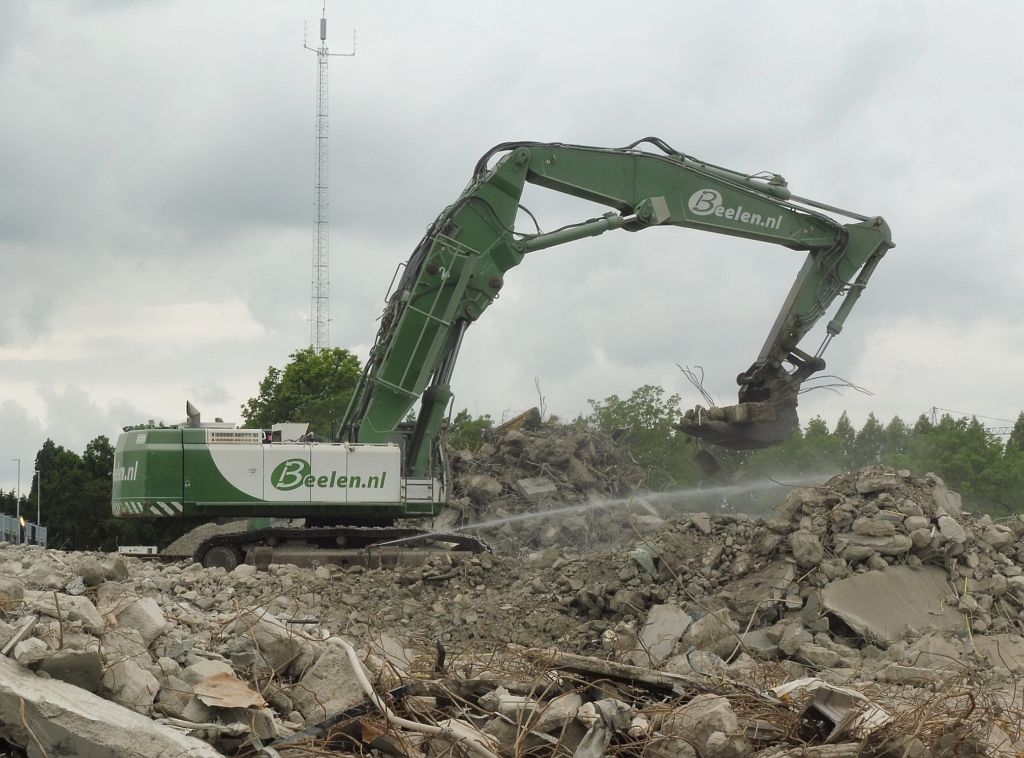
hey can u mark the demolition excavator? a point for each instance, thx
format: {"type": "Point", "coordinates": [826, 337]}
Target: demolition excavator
{"type": "Point", "coordinates": [381, 468]}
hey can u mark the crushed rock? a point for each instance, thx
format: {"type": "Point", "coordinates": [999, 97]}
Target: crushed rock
{"type": "Point", "coordinates": [677, 627]}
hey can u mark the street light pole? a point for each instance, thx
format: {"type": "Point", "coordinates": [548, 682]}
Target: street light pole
{"type": "Point", "coordinates": [17, 502]}
{"type": "Point", "coordinates": [39, 496]}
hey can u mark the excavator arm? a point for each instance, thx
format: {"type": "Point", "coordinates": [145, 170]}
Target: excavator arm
{"type": "Point", "coordinates": [458, 269]}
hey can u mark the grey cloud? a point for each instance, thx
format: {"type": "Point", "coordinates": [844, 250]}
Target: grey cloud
{"type": "Point", "coordinates": [142, 175]}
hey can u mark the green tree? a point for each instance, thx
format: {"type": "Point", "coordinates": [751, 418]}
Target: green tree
{"type": "Point", "coordinates": [649, 418]}
{"type": "Point", "coordinates": [869, 444]}
{"type": "Point", "coordinates": [845, 434]}
{"type": "Point", "coordinates": [66, 521]}
{"type": "Point", "coordinates": [75, 502]}
{"type": "Point", "coordinates": [9, 502]}
{"type": "Point", "coordinates": [1016, 439]}
{"type": "Point", "coordinates": [315, 387]}
{"type": "Point", "coordinates": [897, 437]}
{"type": "Point", "coordinates": [958, 450]}
{"type": "Point", "coordinates": [814, 451]}
{"type": "Point", "coordinates": [466, 432]}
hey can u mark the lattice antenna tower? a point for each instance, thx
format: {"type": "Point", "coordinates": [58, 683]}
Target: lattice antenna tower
{"type": "Point", "coordinates": [320, 298]}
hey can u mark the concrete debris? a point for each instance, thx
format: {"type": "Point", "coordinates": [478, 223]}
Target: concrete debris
{"type": "Point", "coordinates": [537, 489]}
{"type": "Point", "coordinates": [883, 606]}
{"type": "Point", "coordinates": [846, 711]}
{"type": "Point", "coordinates": [626, 625]}
{"type": "Point", "coordinates": [131, 686]}
{"type": "Point", "coordinates": [328, 687]}
{"type": "Point", "coordinates": [664, 626]}
{"type": "Point", "coordinates": [49, 717]}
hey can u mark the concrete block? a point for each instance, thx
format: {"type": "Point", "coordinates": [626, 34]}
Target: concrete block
{"type": "Point", "coordinates": [880, 605]}
{"type": "Point", "coordinates": [205, 668]}
{"type": "Point", "coordinates": [91, 571]}
{"type": "Point", "coordinates": [947, 502]}
{"type": "Point", "coordinates": [806, 548]}
{"type": "Point", "coordinates": [873, 527]}
{"type": "Point", "coordinates": [177, 700]}
{"type": "Point", "coordinates": [663, 628]}
{"type": "Point", "coordinates": [951, 530]}
{"type": "Point", "coordinates": [700, 718]}
{"type": "Point", "coordinates": [145, 616]}
{"type": "Point", "coordinates": [66, 607]}
{"type": "Point", "coordinates": [872, 483]}
{"type": "Point", "coordinates": [50, 717]}
{"type": "Point", "coordinates": [758, 644]}
{"type": "Point", "coordinates": [29, 651]}
{"type": "Point", "coordinates": [122, 643]}
{"type": "Point", "coordinates": [82, 668]}
{"type": "Point", "coordinates": [328, 687]}
{"type": "Point", "coordinates": [281, 648]}
{"type": "Point", "coordinates": [12, 592]}
{"type": "Point", "coordinates": [131, 686]}
{"type": "Point", "coordinates": [715, 632]}
{"type": "Point", "coordinates": [537, 488]}
{"type": "Point", "coordinates": [482, 489]}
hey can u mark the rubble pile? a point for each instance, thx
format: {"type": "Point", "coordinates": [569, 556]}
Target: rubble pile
{"type": "Point", "coordinates": [529, 466]}
{"type": "Point", "coordinates": [869, 615]}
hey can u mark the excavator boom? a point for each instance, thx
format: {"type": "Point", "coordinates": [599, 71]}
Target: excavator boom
{"type": "Point", "coordinates": [459, 266]}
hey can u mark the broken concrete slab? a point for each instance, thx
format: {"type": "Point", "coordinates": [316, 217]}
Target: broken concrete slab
{"type": "Point", "coordinates": [882, 605]}
{"type": "Point", "coordinates": [537, 488]}
{"type": "Point", "coordinates": [1003, 650]}
{"type": "Point", "coordinates": [715, 632]}
{"type": "Point", "coordinates": [893, 544]}
{"type": "Point", "coordinates": [66, 608]}
{"type": "Point", "coordinates": [848, 711]}
{"type": "Point", "coordinates": [329, 686]}
{"type": "Point", "coordinates": [177, 700]}
{"type": "Point", "coordinates": [145, 616]}
{"type": "Point", "coordinates": [204, 668]}
{"type": "Point", "coordinates": [131, 685]}
{"type": "Point", "coordinates": [82, 668]}
{"type": "Point", "coordinates": [392, 650]}
{"type": "Point", "coordinates": [700, 718]}
{"type": "Point", "coordinates": [663, 628]}
{"type": "Point", "coordinates": [934, 651]}
{"type": "Point", "coordinates": [12, 592]}
{"type": "Point", "coordinates": [806, 548]}
{"type": "Point", "coordinates": [946, 501]}
{"type": "Point", "coordinates": [281, 647]}
{"type": "Point", "coordinates": [50, 717]}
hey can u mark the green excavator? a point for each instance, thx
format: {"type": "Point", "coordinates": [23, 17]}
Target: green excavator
{"type": "Point", "coordinates": [381, 467]}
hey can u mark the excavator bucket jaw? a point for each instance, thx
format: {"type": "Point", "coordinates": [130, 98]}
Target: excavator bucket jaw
{"type": "Point", "coordinates": [745, 426]}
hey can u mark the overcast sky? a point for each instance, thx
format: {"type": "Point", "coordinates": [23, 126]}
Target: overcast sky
{"type": "Point", "coordinates": [156, 218]}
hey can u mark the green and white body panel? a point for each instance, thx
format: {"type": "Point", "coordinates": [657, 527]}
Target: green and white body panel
{"type": "Point", "coordinates": [234, 472]}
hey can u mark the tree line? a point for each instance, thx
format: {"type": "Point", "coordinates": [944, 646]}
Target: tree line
{"type": "Point", "coordinates": [72, 494]}
{"type": "Point", "coordinates": [987, 470]}
{"type": "Point", "coordinates": [316, 386]}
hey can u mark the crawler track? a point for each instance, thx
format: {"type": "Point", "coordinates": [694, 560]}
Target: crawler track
{"type": "Point", "coordinates": [370, 546]}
